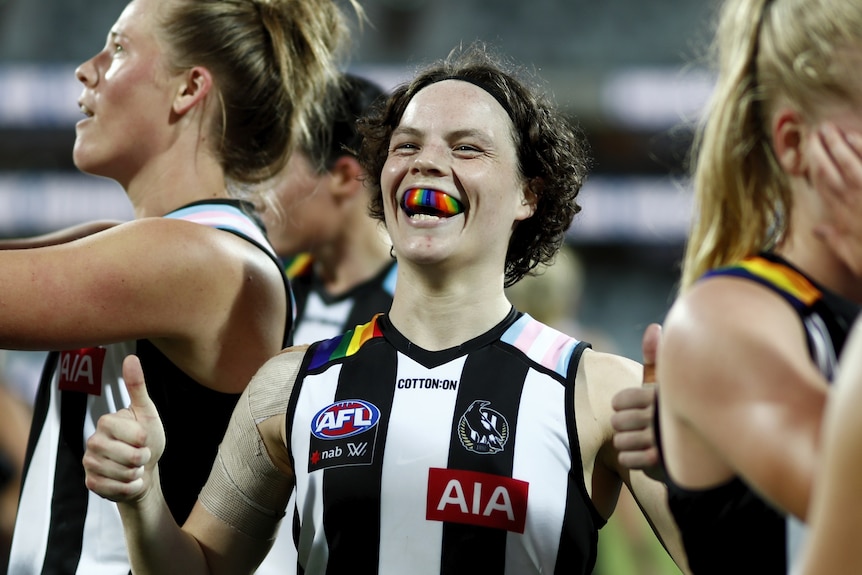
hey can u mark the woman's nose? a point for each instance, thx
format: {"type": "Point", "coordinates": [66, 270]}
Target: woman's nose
{"type": "Point", "coordinates": [426, 161]}
{"type": "Point", "coordinates": [86, 73]}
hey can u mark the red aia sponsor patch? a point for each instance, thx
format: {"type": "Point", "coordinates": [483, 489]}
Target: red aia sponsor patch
{"type": "Point", "coordinates": [477, 499]}
{"type": "Point", "coordinates": [81, 370]}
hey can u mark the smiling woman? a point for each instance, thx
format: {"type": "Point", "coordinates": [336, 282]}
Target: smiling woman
{"type": "Point", "coordinates": [471, 471]}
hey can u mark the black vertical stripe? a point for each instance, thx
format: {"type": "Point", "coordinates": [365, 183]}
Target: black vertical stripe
{"type": "Point", "coordinates": [69, 504]}
{"type": "Point", "coordinates": [299, 569]}
{"type": "Point", "coordinates": [578, 544]}
{"type": "Point", "coordinates": [40, 407]}
{"type": "Point", "coordinates": [351, 494]}
{"type": "Point", "coordinates": [493, 375]}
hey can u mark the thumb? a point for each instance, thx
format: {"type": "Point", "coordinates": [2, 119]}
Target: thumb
{"type": "Point", "coordinates": [649, 349]}
{"type": "Point", "coordinates": [133, 375]}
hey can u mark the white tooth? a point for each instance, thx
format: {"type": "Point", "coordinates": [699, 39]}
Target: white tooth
{"type": "Point", "coordinates": [424, 217]}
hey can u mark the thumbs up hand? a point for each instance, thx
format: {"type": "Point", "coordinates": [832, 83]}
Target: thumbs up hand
{"type": "Point", "coordinates": [634, 434]}
{"type": "Point", "coordinates": [121, 457]}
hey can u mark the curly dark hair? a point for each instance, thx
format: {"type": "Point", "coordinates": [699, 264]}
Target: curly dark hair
{"type": "Point", "coordinates": [552, 153]}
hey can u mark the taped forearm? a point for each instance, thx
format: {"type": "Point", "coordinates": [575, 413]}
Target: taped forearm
{"type": "Point", "coordinates": [246, 489]}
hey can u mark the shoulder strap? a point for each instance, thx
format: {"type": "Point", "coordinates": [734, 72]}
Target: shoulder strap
{"type": "Point", "coordinates": [544, 345]}
{"type": "Point", "coordinates": [781, 278]}
{"type": "Point", "coordinates": [298, 265]}
{"type": "Point", "coordinates": [224, 216]}
{"type": "Point", "coordinates": [344, 345]}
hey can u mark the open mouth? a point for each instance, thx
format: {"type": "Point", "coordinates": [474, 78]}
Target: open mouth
{"type": "Point", "coordinates": [422, 201]}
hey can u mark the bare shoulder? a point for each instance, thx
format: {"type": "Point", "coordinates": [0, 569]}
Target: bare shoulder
{"type": "Point", "coordinates": [601, 376]}
{"type": "Point", "coordinates": [606, 373]}
{"type": "Point", "coordinates": [200, 242]}
{"type": "Point", "coordinates": [724, 324]}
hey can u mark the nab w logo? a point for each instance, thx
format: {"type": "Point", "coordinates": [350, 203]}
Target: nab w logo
{"type": "Point", "coordinates": [344, 419]}
{"type": "Point", "coordinates": [81, 370]}
{"type": "Point", "coordinates": [343, 433]}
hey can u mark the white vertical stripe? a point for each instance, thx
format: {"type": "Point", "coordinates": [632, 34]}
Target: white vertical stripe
{"type": "Point", "coordinates": [104, 546]}
{"type": "Point", "coordinates": [317, 391]}
{"type": "Point", "coordinates": [543, 459]}
{"type": "Point", "coordinates": [31, 527]}
{"type": "Point", "coordinates": [408, 542]}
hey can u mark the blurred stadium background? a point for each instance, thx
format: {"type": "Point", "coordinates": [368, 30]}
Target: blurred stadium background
{"type": "Point", "coordinates": [626, 70]}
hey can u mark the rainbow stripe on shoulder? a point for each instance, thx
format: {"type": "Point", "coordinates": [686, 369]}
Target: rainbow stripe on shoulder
{"type": "Point", "coordinates": [794, 286]}
{"type": "Point", "coordinates": [345, 344]}
{"type": "Point", "coordinates": [543, 344]}
{"type": "Point", "coordinates": [298, 265]}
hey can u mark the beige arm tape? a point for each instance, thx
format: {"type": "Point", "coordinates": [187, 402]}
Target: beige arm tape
{"type": "Point", "coordinates": [245, 488]}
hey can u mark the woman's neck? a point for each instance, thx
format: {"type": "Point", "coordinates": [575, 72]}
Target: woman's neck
{"type": "Point", "coordinates": [165, 184]}
{"type": "Point", "coordinates": [819, 262]}
{"type": "Point", "coordinates": [356, 257]}
{"type": "Point", "coordinates": [438, 315]}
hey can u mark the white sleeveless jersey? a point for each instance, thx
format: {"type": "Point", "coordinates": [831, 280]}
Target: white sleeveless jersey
{"type": "Point", "coordinates": [457, 461]}
{"type": "Point", "coordinates": [62, 528]}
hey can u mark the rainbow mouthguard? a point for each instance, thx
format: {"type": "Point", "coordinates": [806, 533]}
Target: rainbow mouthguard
{"type": "Point", "coordinates": [431, 202]}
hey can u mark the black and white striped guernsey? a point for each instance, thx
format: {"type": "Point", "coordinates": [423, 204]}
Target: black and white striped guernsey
{"type": "Point", "coordinates": [459, 461]}
{"type": "Point", "coordinates": [62, 528]}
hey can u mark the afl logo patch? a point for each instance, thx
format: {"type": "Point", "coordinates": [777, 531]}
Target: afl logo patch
{"type": "Point", "coordinates": [344, 419]}
{"type": "Point", "coordinates": [483, 430]}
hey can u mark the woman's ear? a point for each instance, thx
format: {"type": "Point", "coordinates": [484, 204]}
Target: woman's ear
{"type": "Point", "coordinates": [788, 139]}
{"type": "Point", "coordinates": [529, 199]}
{"type": "Point", "coordinates": [346, 175]}
{"type": "Point", "coordinates": [196, 84]}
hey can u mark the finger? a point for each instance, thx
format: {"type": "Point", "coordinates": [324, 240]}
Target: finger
{"type": "Point", "coordinates": [824, 164]}
{"type": "Point", "coordinates": [112, 489]}
{"type": "Point", "coordinates": [140, 402]}
{"type": "Point", "coordinates": [637, 440]}
{"type": "Point", "coordinates": [631, 420]}
{"type": "Point", "coordinates": [646, 459]}
{"type": "Point", "coordinates": [649, 348]}
{"type": "Point", "coordinates": [633, 398]}
{"type": "Point", "coordinates": [845, 155]}
{"type": "Point", "coordinates": [117, 465]}
{"type": "Point", "coordinates": [124, 444]}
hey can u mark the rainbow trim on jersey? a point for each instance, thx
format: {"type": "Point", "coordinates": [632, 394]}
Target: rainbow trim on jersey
{"type": "Point", "coordinates": [795, 287]}
{"type": "Point", "coordinates": [298, 266]}
{"type": "Point", "coordinates": [346, 344]}
{"type": "Point", "coordinates": [422, 200]}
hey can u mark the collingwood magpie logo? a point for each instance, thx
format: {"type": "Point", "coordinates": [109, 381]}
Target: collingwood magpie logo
{"type": "Point", "coordinates": [483, 430]}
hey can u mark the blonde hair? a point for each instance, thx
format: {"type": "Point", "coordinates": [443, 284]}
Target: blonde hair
{"type": "Point", "coordinates": [273, 64]}
{"type": "Point", "coordinates": [768, 52]}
